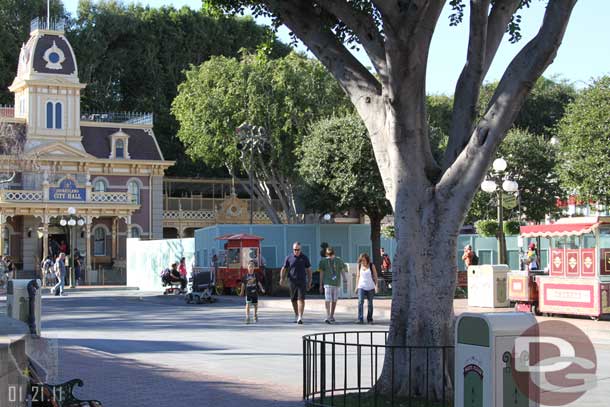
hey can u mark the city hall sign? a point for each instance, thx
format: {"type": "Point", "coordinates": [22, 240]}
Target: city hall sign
{"type": "Point", "coordinates": [67, 191]}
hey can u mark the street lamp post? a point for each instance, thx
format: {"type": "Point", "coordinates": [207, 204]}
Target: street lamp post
{"type": "Point", "coordinates": [251, 138]}
{"type": "Point", "coordinates": [72, 220]}
{"type": "Point", "coordinates": [498, 183]}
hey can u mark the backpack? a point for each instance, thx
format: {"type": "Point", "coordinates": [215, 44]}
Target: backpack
{"type": "Point", "coordinates": [475, 259]}
{"type": "Point", "coordinates": [385, 263]}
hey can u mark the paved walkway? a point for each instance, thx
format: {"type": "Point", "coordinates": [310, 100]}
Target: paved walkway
{"type": "Point", "coordinates": [141, 349]}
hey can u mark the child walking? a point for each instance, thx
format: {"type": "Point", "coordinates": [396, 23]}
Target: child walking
{"type": "Point", "coordinates": [250, 286]}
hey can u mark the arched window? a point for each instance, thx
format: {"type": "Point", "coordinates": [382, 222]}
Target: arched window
{"type": "Point", "coordinates": [99, 242]}
{"type": "Point", "coordinates": [135, 232]}
{"type": "Point", "coordinates": [6, 241]}
{"type": "Point", "coordinates": [134, 189]}
{"type": "Point", "coordinates": [120, 149]}
{"type": "Point", "coordinates": [58, 115]}
{"type": "Point", "coordinates": [49, 115]}
{"type": "Point", "coordinates": [100, 186]}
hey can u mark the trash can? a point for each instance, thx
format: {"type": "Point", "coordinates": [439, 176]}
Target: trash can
{"type": "Point", "coordinates": [484, 356]}
{"type": "Point", "coordinates": [349, 284]}
{"type": "Point", "coordinates": [23, 302]}
{"type": "Point", "coordinates": [487, 286]}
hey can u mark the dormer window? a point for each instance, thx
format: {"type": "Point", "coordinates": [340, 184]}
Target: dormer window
{"type": "Point", "coordinates": [119, 149]}
{"type": "Point", "coordinates": [119, 145]}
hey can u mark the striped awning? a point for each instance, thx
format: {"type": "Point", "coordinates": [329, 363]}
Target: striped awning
{"type": "Point", "coordinates": [558, 229]}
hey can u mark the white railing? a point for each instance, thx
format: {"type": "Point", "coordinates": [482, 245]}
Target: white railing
{"type": "Point", "coordinates": [21, 196]}
{"type": "Point", "coordinates": [189, 215]}
{"type": "Point", "coordinates": [111, 197]}
{"type": "Point", "coordinates": [14, 195]}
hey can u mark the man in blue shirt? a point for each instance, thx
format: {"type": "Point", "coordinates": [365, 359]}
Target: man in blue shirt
{"type": "Point", "coordinates": [299, 277]}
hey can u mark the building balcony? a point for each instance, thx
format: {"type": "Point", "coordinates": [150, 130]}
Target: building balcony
{"type": "Point", "coordinates": [84, 195]}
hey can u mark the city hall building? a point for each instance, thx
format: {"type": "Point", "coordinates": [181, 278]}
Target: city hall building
{"type": "Point", "coordinates": [85, 181]}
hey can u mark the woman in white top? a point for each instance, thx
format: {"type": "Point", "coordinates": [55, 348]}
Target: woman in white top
{"type": "Point", "coordinates": [366, 277]}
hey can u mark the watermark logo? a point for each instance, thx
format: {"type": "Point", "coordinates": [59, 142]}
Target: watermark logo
{"type": "Point", "coordinates": [555, 363]}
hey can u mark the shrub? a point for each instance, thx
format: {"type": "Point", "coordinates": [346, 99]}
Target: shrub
{"type": "Point", "coordinates": [486, 227]}
{"type": "Point", "coordinates": [512, 227]}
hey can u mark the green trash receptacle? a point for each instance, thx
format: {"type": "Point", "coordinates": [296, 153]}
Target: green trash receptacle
{"type": "Point", "coordinates": [23, 302]}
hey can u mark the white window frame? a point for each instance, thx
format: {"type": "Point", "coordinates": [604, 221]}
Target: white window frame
{"type": "Point", "coordinates": [94, 232]}
{"type": "Point", "coordinates": [104, 181]}
{"type": "Point", "coordinates": [136, 181]}
{"type": "Point", "coordinates": [53, 119]}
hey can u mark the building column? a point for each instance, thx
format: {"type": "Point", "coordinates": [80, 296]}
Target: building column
{"type": "Point", "coordinates": [88, 250]}
{"type": "Point", "coordinates": [114, 237]}
{"type": "Point", "coordinates": [45, 237]}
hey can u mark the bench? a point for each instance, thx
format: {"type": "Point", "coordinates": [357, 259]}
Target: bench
{"type": "Point", "coordinates": [59, 395]}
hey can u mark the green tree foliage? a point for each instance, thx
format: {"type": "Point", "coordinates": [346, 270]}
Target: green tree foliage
{"type": "Point", "coordinates": [15, 18]}
{"type": "Point", "coordinates": [133, 58]}
{"type": "Point", "coordinates": [584, 142]}
{"type": "Point", "coordinates": [440, 109]}
{"type": "Point", "coordinates": [531, 162]}
{"type": "Point", "coordinates": [543, 108]}
{"type": "Point", "coordinates": [284, 96]}
{"type": "Point", "coordinates": [337, 162]}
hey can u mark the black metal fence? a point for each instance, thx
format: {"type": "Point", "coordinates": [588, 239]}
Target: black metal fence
{"type": "Point", "coordinates": [342, 368]}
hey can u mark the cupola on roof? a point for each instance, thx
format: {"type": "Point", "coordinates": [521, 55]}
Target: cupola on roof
{"type": "Point", "coordinates": [47, 54]}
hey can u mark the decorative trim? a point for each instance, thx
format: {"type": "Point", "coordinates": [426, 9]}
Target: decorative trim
{"type": "Point", "coordinates": [54, 57]}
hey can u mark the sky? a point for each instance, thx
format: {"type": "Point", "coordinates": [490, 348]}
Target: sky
{"type": "Point", "coordinates": [583, 55]}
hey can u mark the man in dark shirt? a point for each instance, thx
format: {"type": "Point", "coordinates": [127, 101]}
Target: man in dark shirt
{"type": "Point", "coordinates": [299, 279]}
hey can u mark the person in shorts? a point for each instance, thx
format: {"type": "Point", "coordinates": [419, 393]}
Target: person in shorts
{"type": "Point", "coordinates": [332, 272]}
{"type": "Point", "coordinates": [299, 276]}
{"type": "Point", "coordinates": [250, 287]}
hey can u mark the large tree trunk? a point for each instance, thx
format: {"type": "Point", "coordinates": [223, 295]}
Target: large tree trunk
{"type": "Point", "coordinates": [422, 308]}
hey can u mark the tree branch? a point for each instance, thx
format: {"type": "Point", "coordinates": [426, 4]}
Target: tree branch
{"type": "Point", "coordinates": [461, 180]}
{"type": "Point", "coordinates": [364, 27]}
{"type": "Point", "coordinates": [468, 85]}
{"type": "Point", "coordinates": [500, 16]}
{"type": "Point", "coordinates": [302, 18]}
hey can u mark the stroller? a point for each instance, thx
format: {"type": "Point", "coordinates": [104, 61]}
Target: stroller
{"type": "Point", "coordinates": [172, 286]}
{"type": "Point", "coordinates": [200, 286]}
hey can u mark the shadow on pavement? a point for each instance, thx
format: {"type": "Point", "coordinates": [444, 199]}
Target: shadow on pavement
{"type": "Point", "coordinates": [121, 382]}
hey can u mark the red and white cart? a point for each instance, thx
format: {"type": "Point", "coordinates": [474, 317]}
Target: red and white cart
{"type": "Point", "coordinates": [240, 249]}
{"type": "Point", "coordinates": [578, 279]}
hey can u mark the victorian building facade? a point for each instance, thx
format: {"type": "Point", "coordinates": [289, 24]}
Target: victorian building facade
{"type": "Point", "coordinates": [89, 180]}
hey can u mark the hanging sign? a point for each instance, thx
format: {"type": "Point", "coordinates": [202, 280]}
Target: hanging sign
{"type": "Point", "coordinates": [509, 201]}
{"type": "Point", "coordinates": [67, 191]}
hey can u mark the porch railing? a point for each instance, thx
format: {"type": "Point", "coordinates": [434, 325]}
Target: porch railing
{"type": "Point", "coordinates": [14, 195]}
{"type": "Point", "coordinates": [112, 197]}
